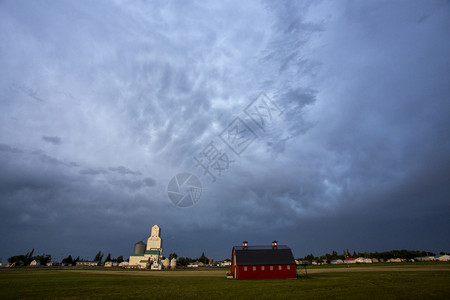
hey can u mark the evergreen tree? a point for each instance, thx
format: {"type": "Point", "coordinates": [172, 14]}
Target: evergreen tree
{"type": "Point", "coordinates": [68, 260]}
{"type": "Point", "coordinates": [173, 255]}
{"type": "Point", "coordinates": [203, 258]}
{"type": "Point", "coordinates": [99, 256]}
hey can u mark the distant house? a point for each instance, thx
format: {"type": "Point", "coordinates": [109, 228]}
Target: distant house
{"type": "Point", "coordinates": [337, 262]}
{"type": "Point", "coordinates": [262, 262]}
{"type": "Point", "coordinates": [350, 261]}
{"type": "Point", "coordinates": [425, 258]}
{"type": "Point", "coordinates": [395, 260]}
{"type": "Point", "coordinates": [108, 264]}
{"type": "Point", "coordinates": [363, 260]}
{"type": "Point", "coordinates": [88, 263]}
{"type": "Point", "coordinates": [444, 257]}
{"type": "Point", "coordinates": [35, 262]}
{"type": "Point", "coordinates": [225, 263]}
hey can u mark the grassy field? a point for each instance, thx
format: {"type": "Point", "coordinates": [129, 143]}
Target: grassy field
{"type": "Point", "coordinates": [375, 282]}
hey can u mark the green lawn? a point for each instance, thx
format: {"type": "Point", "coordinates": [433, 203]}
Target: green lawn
{"type": "Point", "coordinates": [103, 283]}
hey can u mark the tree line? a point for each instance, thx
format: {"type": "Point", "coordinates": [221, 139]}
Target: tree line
{"type": "Point", "coordinates": [26, 259]}
{"type": "Point", "coordinates": [184, 261]}
{"type": "Point", "coordinates": [405, 254]}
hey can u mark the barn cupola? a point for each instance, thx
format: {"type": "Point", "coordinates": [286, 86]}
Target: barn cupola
{"type": "Point", "coordinates": [245, 244]}
{"type": "Point", "coordinates": [274, 245]}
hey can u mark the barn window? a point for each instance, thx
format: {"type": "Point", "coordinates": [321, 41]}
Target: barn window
{"type": "Point", "coordinates": [245, 268]}
{"type": "Point", "coordinates": [262, 268]}
{"type": "Point", "coordinates": [271, 268]}
{"type": "Point", "coordinates": [254, 268]}
{"type": "Point", "coordinates": [279, 267]}
{"type": "Point", "coordinates": [288, 267]}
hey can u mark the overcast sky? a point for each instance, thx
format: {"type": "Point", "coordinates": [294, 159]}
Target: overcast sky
{"type": "Point", "coordinates": [103, 102]}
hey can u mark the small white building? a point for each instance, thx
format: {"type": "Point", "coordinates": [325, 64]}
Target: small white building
{"type": "Point", "coordinates": [336, 262]}
{"type": "Point", "coordinates": [123, 264]}
{"type": "Point", "coordinates": [108, 264]}
{"type": "Point", "coordinates": [425, 258]}
{"type": "Point", "coordinates": [350, 261]}
{"type": "Point", "coordinates": [166, 263]}
{"type": "Point", "coordinates": [444, 257]}
{"type": "Point", "coordinates": [88, 263]}
{"type": "Point", "coordinates": [173, 263]}
{"type": "Point", "coordinates": [226, 263]}
{"type": "Point", "coordinates": [35, 262]}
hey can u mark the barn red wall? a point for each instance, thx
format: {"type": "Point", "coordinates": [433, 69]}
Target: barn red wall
{"type": "Point", "coordinates": [266, 273]}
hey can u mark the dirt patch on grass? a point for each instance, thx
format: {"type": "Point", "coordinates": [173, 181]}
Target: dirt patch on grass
{"type": "Point", "coordinates": [183, 273]}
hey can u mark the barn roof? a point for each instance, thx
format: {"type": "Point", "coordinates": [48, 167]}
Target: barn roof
{"type": "Point", "coordinates": [264, 255]}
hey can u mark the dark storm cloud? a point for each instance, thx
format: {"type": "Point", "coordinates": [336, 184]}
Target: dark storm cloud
{"type": "Point", "coordinates": [52, 139]}
{"type": "Point", "coordinates": [149, 182]}
{"type": "Point", "coordinates": [124, 171]}
{"type": "Point", "coordinates": [357, 159]}
{"type": "Point", "coordinates": [92, 171]}
{"type": "Point", "coordinates": [27, 91]}
{"type": "Point", "coordinates": [7, 148]}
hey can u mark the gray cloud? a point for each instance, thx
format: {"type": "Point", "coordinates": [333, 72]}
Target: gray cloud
{"type": "Point", "coordinates": [52, 139]}
{"type": "Point", "coordinates": [137, 90]}
{"type": "Point", "coordinates": [150, 182]}
{"type": "Point", "coordinates": [7, 148]}
{"type": "Point", "coordinates": [92, 171]}
{"type": "Point", "coordinates": [124, 171]}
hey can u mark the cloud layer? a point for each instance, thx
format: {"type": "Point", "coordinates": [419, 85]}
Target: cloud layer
{"type": "Point", "coordinates": [103, 103]}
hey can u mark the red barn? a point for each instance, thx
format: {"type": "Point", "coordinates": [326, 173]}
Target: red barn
{"type": "Point", "coordinates": [262, 262]}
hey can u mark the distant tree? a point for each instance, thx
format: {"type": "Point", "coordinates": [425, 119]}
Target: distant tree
{"type": "Point", "coordinates": [76, 260]}
{"type": "Point", "coordinates": [68, 260]}
{"type": "Point", "coordinates": [203, 258]}
{"type": "Point", "coordinates": [108, 257]}
{"type": "Point", "coordinates": [43, 259]}
{"type": "Point", "coordinates": [328, 258]}
{"type": "Point", "coordinates": [173, 255]}
{"type": "Point", "coordinates": [22, 259]}
{"type": "Point", "coordinates": [334, 255]}
{"type": "Point", "coordinates": [184, 261]}
{"type": "Point", "coordinates": [18, 259]}
{"type": "Point", "coordinates": [29, 257]}
{"type": "Point", "coordinates": [310, 257]}
{"type": "Point", "coordinates": [119, 259]}
{"type": "Point", "coordinates": [99, 256]}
